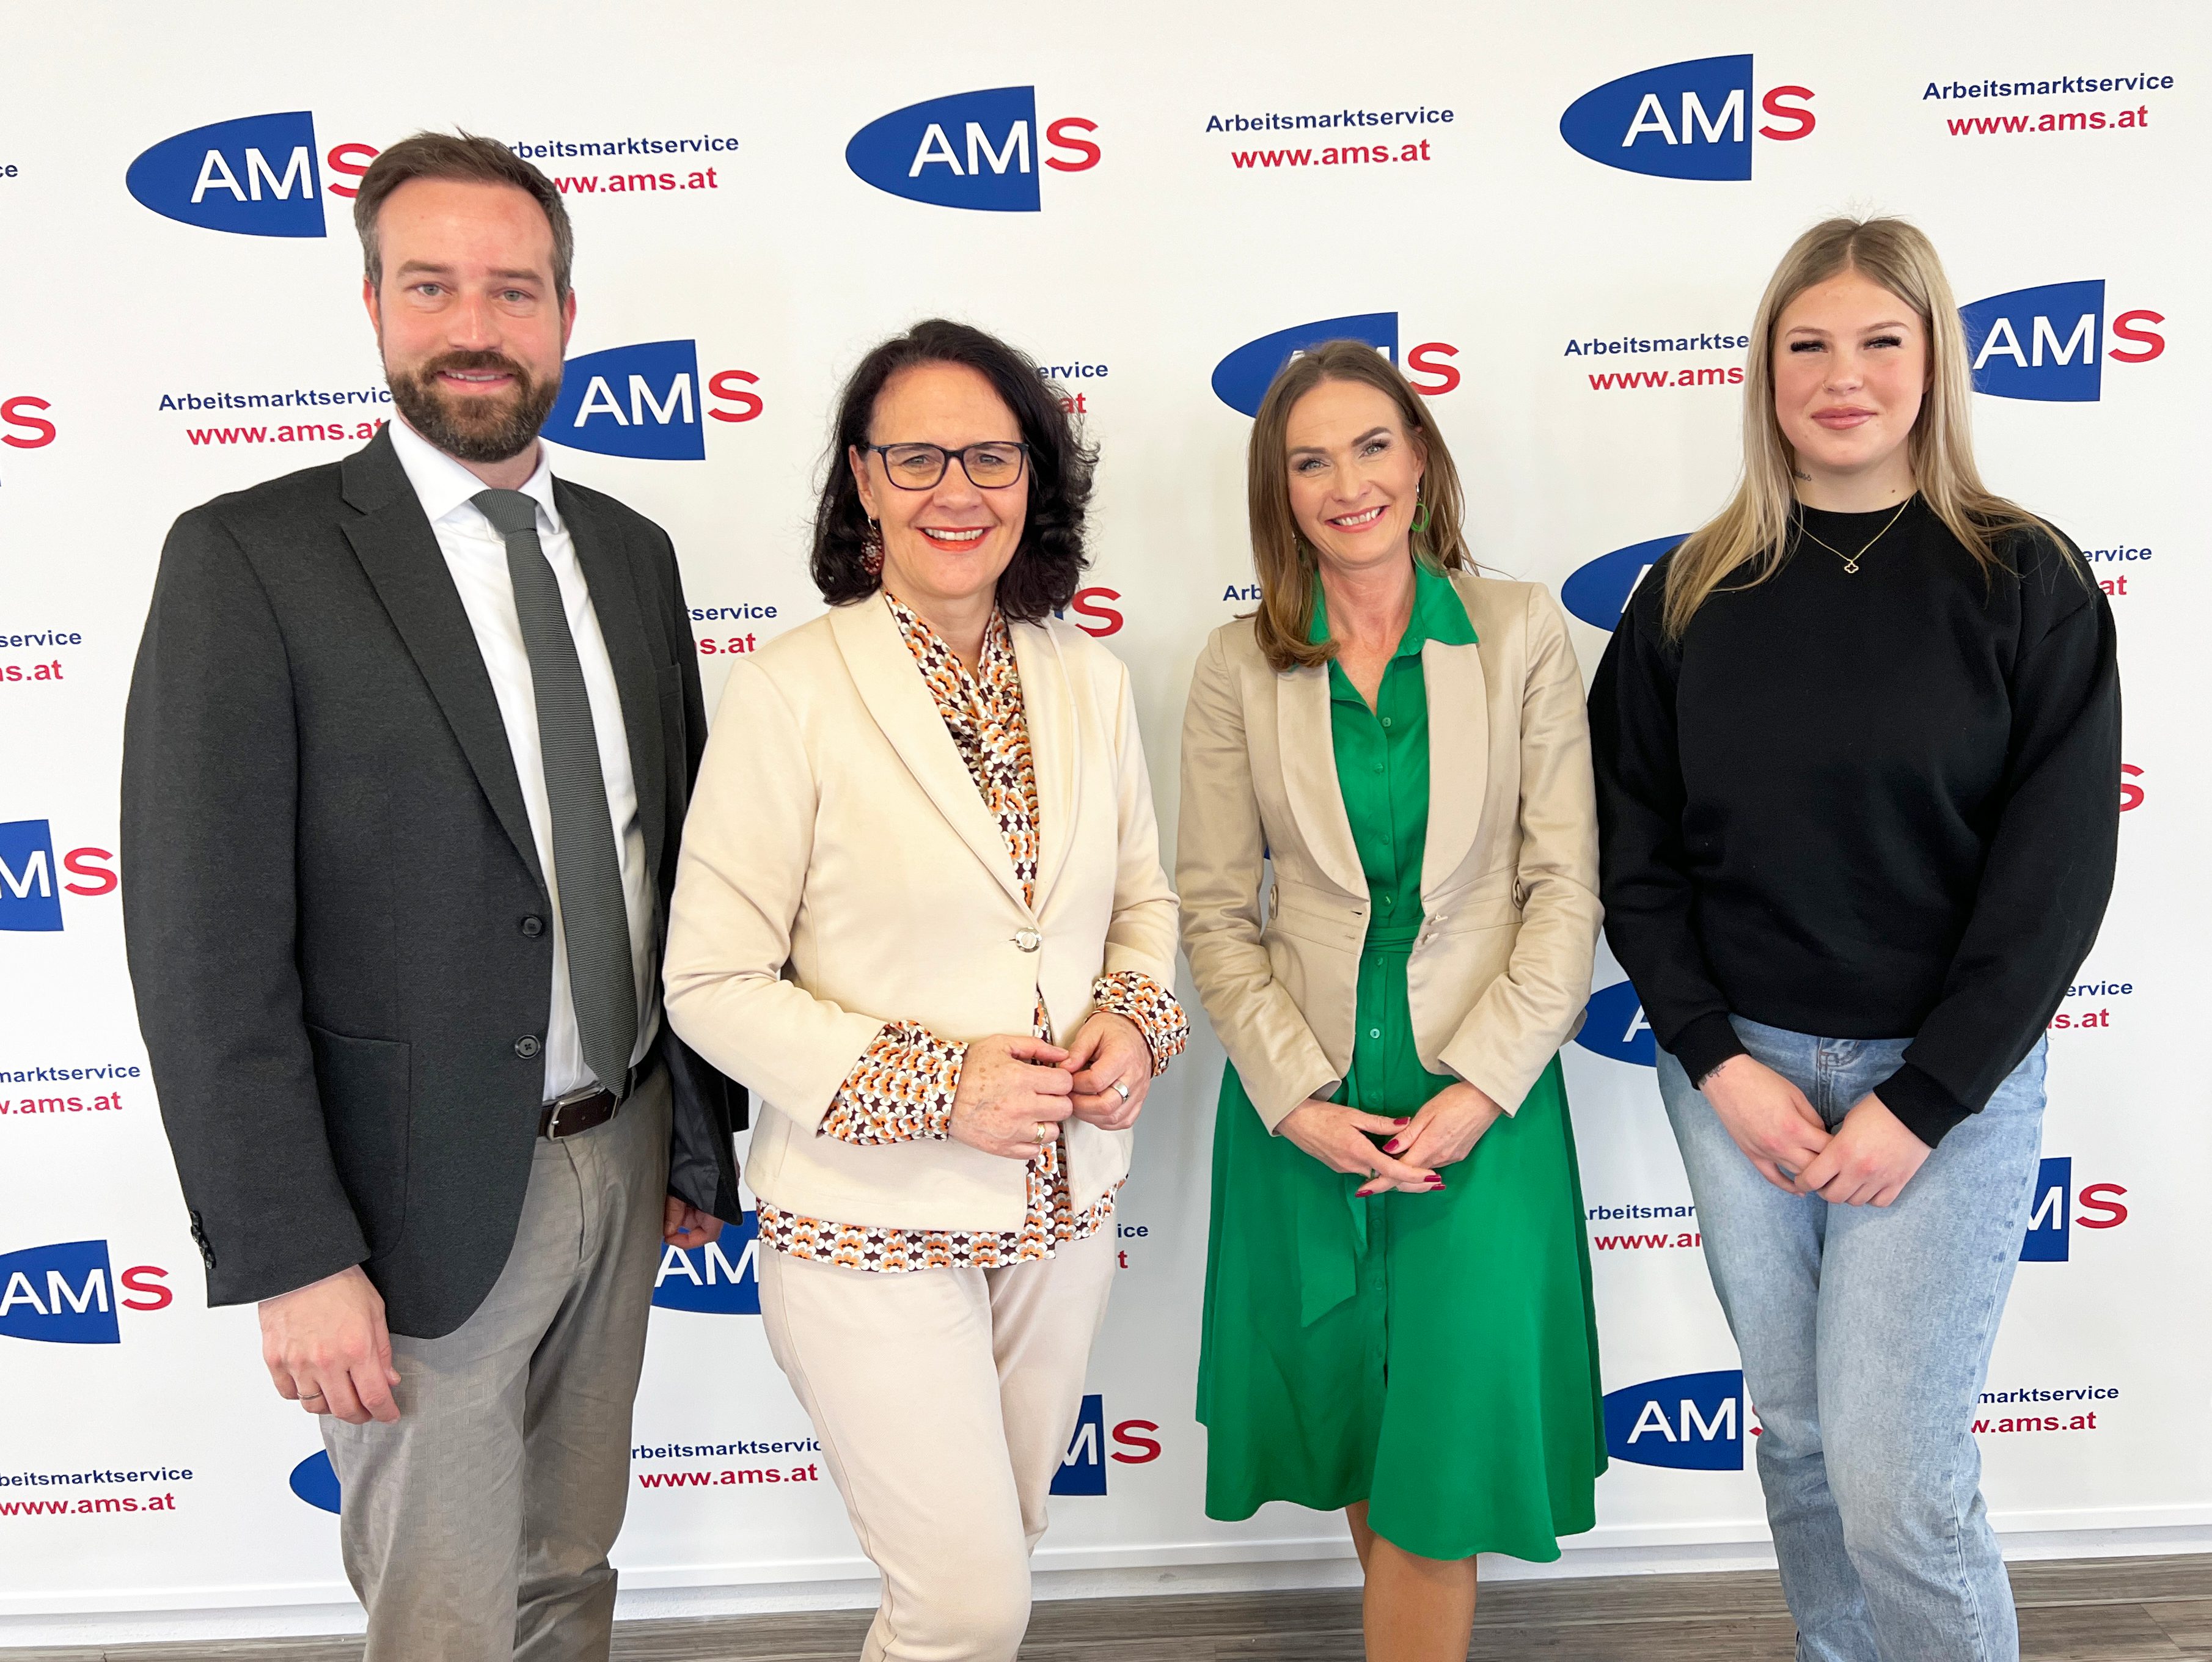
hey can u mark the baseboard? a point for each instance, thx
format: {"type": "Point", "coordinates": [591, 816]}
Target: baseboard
{"type": "Point", "coordinates": [1262, 1566]}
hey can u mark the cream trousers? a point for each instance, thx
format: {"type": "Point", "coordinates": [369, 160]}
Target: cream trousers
{"type": "Point", "coordinates": [944, 1400]}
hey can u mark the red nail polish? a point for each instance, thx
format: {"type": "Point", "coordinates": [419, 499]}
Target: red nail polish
{"type": "Point", "coordinates": [1406, 1120]}
{"type": "Point", "coordinates": [1391, 1147]}
{"type": "Point", "coordinates": [1435, 1181]}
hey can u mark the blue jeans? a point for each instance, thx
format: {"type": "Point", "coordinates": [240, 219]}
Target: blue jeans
{"type": "Point", "coordinates": [1866, 1334]}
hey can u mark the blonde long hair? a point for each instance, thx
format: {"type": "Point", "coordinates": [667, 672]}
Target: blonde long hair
{"type": "Point", "coordinates": [1285, 565]}
{"type": "Point", "coordinates": [1752, 531]}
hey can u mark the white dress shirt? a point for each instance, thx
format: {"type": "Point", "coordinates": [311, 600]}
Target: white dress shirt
{"type": "Point", "coordinates": [476, 555]}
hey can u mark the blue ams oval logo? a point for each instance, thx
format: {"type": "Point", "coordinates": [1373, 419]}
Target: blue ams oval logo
{"type": "Point", "coordinates": [2048, 343]}
{"type": "Point", "coordinates": [32, 880]}
{"type": "Point", "coordinates": [68, 1293]}
{"type": "Point", "coordinates": [1240, 381]}
{"type": "Point", "coordinates": [1692, 1422]}
{"type": "Point", "coordinates": [256, 176]}
{"type": "Point", "coordinates": [315, 1481]}
{"type": "Point", "coordinates": [1614, 1027]}
{"type": "Point", "coordinates": [721, 1278]}
{"type": "Point", "coordinates": [1598, 592]}
{"type": "Point", "coordinates": [647, 401]}
{"type": "Point", "coordinates": [1686, 120]}
{"type": "Point", "coordinates": [977, 150]}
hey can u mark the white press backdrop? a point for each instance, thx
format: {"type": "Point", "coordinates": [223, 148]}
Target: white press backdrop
{"type": "Point", "coordinates": [1569, 280]}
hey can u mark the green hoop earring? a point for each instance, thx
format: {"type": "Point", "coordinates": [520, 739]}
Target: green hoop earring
{"type": "Point", "coordinates": [1420, 516]}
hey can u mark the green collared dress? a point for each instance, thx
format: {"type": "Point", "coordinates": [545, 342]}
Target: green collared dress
{"type": "Point", "coordinates": [1435, 1355]}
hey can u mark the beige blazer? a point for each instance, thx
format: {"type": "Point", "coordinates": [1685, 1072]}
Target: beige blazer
{"type": "Point", "coordinates": [1500, 972]}
{"type": "Point", "coordinates": [841, 870]}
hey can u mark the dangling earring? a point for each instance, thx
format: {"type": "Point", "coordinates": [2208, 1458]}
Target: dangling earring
{"type": "Point", "coordinates": [1420, 511]}
{"type": "Point", "coordinates": [871, 550]}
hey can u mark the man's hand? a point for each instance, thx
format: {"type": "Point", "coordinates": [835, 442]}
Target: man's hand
{"type": "Point", "coordinates": [1778, 1131]}
{"type": "Point", "coordinates": [328, 1350]}
{"type": "Point", "coordinates": [683, 1224]}
{"type": "Point", "coordinates": [1109, 1050]}
{"type": "Point", "coordinates": [1869, 1161]}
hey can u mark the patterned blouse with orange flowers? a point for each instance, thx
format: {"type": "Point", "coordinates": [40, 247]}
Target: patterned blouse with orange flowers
{"type": "Point", "coordinates": [903, 1087]}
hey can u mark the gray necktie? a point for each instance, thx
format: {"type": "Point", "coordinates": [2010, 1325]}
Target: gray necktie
{"type": "Point", "coordinates": [588, 876]}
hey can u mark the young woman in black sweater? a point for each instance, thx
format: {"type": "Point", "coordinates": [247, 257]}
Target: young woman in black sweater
{"type": "Point", "coordinates": [1858, 754]}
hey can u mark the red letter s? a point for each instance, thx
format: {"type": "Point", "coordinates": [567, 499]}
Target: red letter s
{"type": "Point", "coordinates": [2149, 339]}
{"type": "Point", "coordinates": [1774, 105]}
{"type": "Point", "coordinates": [1086, 604]}
{"type": "Point", "coordinates": [86, 863]}
{"type": "Point", "coordinates": [2093, 1200]}
{"type": "Point", "coordinates": [723, 386]}
{"type": "Point", "coordinates": [140, 1278]}
{"type": "Point", "coordinates": [1130, 1432]}
{"type": "Point", "coordinates": [1056, 134]}
{"type": "Point", "coordinates": [2131, 796]}
{"type": "Point", "coordinates": [1423, 359]}
{"type": "Point", "coordinates": [12, 413]}
{"type": "Point", "coordinates": [352, 160]}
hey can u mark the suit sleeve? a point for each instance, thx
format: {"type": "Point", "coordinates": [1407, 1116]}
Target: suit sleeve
{"type": "Point", "coordinates": [747, 847]}
{"type": "Point", "coordinates": [1221, 851]}
{"type": "Point", "coordinates": [1140, 939]}
{"type": "Point", "coordinates": [708, 1109]}
{"type": "Point", "coordinates": [209, 827]}
{"type": "Point", "coordinates": [1525, 1013]}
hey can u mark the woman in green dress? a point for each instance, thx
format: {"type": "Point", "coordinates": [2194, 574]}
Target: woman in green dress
{"type": "Point", "coordinates": [1398, 1316]}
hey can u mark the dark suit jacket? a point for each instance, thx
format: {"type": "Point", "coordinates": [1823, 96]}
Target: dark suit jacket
{"type": "Point", "coordinates": [336, 924]}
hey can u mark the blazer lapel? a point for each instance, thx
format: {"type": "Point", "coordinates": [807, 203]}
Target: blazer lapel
{"type": "Point", "coordinates": [891, 687]}
{"type": "Point", "coordinates": [1459, 756]}
{"type": "Point", "coordinates": [1049, 707]}
{"type": "Point", "coordinates": [612, 580]}
{"type": "Point", "coordinates": [399, 552]}
{"type": "Point", "coordinates": [1307, 743]}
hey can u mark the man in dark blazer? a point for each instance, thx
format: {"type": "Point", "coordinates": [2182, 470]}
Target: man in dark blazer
{"type": "Point", "coordinates": [405, 764]}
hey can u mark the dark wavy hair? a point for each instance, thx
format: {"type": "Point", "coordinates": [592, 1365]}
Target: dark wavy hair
{"type": "Point", "coordinates": [1041, 577]}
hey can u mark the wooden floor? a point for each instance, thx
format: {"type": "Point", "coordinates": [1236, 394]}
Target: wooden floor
{"type": "Point", "coordinates": [2094, 1609]}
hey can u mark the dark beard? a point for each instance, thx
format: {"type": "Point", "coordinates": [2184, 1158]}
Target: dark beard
{"type": "Point", "coordinates": [474, 429]}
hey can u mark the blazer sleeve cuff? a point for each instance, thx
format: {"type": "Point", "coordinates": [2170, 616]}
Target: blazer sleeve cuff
{"type": "Point", "coordinates": [1705, 1044]}
{"type": "Point", "coordinates": [1927, 1110]}
{"type": "Point", "coordinates": [1274, 1102]}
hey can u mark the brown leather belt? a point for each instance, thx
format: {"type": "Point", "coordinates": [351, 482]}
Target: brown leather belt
{"type": "Point", "coordinates": [580, 1111]}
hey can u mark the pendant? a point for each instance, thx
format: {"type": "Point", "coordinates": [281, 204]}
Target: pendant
{"type": "Point", "coordinates": [1852, 566]}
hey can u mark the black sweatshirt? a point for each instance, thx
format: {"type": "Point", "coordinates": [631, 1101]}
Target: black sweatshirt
{"type": "Point", "coordinates": [1864, 806]}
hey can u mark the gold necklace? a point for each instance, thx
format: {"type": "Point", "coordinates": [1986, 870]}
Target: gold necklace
{"type": "Point", "coordinates": [1852, 561]}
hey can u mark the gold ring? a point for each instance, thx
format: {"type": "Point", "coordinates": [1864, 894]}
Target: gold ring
{"type": "Point", "coordinates": [1044, 1132]}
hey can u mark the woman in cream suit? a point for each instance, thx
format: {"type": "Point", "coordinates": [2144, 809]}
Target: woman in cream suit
{"type": "Point", "coordinates": [1398, 1310]}
{"type": "Point", "coordinates": [920, 913]}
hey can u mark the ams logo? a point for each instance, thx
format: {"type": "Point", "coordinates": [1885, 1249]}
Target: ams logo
{"type": "Point", "coordinates": [1687, 121]}
{"type": "Point", "coordinates": [31, 881]}
{"type": "Point", "coordinates": [1083, 1468]}
{"type": "Point", "coordinates": [68, 1293]}
{"type": "Point", "coordinates": [647, 401]}
{"type": "Point", "coordinates": [2059, 1209]}
{"type": "Point", "coordinates": [1598, 592]}
{"type": "Point", "coordinates": [721, 1278]}
{"type": "Point", "coordinates": [256, 176]}
{"type": "Point", "coordinates": [2049, 343]}
{"type": "Point", "coordinates": [1614, 1027]}
{"type": "Point", "coordinates": [1691, 1422]}
{"type": "Point", "coordinates": [1241, 379]}
{"type": "Point", "coordinates": [978, 151]}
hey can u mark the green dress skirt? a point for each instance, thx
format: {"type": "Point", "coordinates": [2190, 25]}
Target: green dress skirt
{"type": "Point", "coordinates": [1433, 1354]}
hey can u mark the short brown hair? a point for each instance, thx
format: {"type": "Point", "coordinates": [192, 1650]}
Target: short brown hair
{"type": "Point", "coordinates": [1280, 558]}
{"type": "Point", "coordinates": [458, 156]}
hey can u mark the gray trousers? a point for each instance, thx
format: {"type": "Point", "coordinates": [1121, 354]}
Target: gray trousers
{"type": "Point", "coordinates": [476, 1528]}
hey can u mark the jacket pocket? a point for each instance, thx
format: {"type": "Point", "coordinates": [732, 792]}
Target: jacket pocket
{"type": "Point", "coordinates": [368, 1112]}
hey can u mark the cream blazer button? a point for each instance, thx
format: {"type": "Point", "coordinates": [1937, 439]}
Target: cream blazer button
{"type": "Point", "coordinates": [1027, 939]}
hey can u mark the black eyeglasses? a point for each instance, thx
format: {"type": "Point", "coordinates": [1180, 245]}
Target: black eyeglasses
{"type": "Point", "coordinates": [921, 467]}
